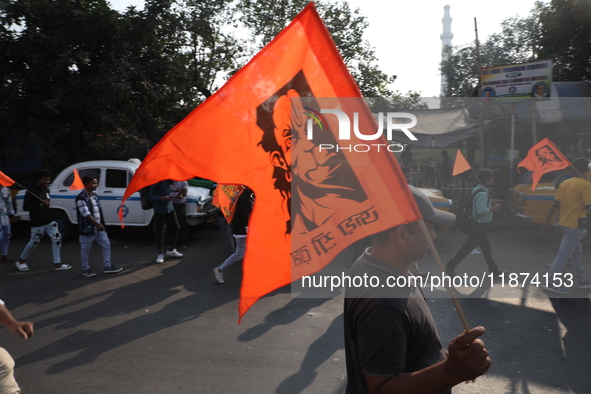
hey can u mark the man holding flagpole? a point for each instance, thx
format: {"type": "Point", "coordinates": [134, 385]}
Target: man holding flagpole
{"type": "Point", "coordinates": [573, 200]}
{"type": "Point", "coordinates": [391, 342]}
{"type": "Point", "coordinates": [37, 203]}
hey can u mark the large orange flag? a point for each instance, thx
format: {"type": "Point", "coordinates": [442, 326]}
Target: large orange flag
{"type": "Point", "coordinates": [543, 157]}
{"type": "Point", "coordinates": [5, 180]}
{"type": "Point", "coordinates": [461, 164]}
{"type": "Point", "coordinates": [252, 132]}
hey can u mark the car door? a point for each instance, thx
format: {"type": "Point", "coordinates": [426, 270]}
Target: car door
{"type": "Point", "coordinates": [65, 198]}
{"type": "Point", "coordinates": [110, 193]}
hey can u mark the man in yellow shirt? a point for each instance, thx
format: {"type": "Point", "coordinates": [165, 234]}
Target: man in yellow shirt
{"type": "Point", "coordinates": [573, 200]}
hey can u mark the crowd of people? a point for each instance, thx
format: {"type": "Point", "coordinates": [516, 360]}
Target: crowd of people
{"type": "Point", "coordinates": [391, 341]}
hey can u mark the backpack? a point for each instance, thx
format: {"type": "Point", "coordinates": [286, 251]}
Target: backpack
{"type": "Point", "coordinates": [463, 211]}
{"type": "Point", "coordinates": [146, 202]}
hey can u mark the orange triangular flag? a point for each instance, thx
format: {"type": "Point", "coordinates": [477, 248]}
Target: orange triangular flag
{"type": "Point", "coordinates": [310, 204]}
{"type": "Point", "coordinates": [461, 164]}
{"type": "Point", "coordinates": [5, 180]}
{"type": "Point", "coordinates": [77, 183]}
{"type": "Point", "coordinates": [543, 157]}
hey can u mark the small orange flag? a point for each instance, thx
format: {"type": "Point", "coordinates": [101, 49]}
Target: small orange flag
{"type": "Point", "coordinates": [77, 184]}
{"type": "Point", "coordinates": [543, 157]}
{"type": "Point", "coordinates": [461, 164]}
{"type": "Point", "coordinates": [225, 197]}
{"type": "Point", "coordinates": [5, 180]}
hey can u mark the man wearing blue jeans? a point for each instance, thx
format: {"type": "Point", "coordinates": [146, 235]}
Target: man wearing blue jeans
{"type": "Point", "coordinates": [573, 200]}
{"type": "Point", "coordinates": [91, 228]}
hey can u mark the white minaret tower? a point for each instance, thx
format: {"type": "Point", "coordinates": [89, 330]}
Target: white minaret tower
{"type": "Point", "coordinates": [446, 37]}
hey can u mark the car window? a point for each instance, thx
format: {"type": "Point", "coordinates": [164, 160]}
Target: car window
{"type": "Point", "coordinates": [87, 171]}
{"type": "Point", "coordinates": [117, 178]}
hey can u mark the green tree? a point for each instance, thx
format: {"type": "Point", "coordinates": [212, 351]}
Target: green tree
{"type": "Point", "coordinates": [266, 18]}
{"type": "Point", "coordinates": [565, 37]}
{"type": "Point", "coordinates": [81, 80]}
{"type": "Point", "coordinates": [558, 30]}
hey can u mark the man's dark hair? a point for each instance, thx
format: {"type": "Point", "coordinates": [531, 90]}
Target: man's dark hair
{"type": "Point", "coordinates": [42, 174]}
{"type": "Point", "coordinates": [88, 178]}
{"type": "Point", "coordinates": [581, 165]}
{"type": "Point", "coordinates": [485, 174]}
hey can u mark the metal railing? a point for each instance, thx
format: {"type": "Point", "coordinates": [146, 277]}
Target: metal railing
{"type": "Point", "coordinates": [455, 189]}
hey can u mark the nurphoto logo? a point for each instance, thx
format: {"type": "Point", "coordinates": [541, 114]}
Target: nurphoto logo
{"type": "Point", "coordinates": [344, 129]}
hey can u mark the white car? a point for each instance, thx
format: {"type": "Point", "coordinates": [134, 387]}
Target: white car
{"type": "Point", "coordinates": [113, 177]}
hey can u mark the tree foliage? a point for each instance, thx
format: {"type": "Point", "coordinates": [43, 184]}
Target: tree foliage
{"type": "Point", "coordinates": [559, 30]}
{"type": "Point", "coordinates": [266, 18]}
{"type": "Point", "coordinates": [80, 80]}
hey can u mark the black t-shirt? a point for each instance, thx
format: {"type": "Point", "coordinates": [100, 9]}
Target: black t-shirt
{"type": "Point", "coordinates": [386, 336]}
{"type": "Point", "coordinates": [242, 214]}
{"type": "Point", "coordinates": [39, 216]}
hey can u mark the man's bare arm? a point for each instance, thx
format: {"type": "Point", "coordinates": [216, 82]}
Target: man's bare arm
{"type": "Point", "coordinates": [467, 360]}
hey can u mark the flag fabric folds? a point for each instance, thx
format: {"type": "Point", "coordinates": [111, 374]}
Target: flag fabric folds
{"type": "Point", "coordinates": [543, 157]}
{"type": "Point", "coordinates": [77, 183]}
{"type": "Point", "coordinates": [461, 164]}
{"type": "Point", "coordinates": [5, 180]}
{"type": "Point", "coordinates": [244, 134]}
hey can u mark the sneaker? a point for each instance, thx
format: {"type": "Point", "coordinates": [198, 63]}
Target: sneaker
{"type": "Point", "coordinates": [184, 247]}
{"type": "Point", "coordinates": [111, 270]}
{"type": "Point", "coordinates": [88, 273]}
{"type": "Point", "coordinates": [160, 258]}
{"type": "Point", "coordinates": [585, 284]}
{"type": "Point", "coordinates": [173, 253]}
{"type": "Point", "coordinates": [559, 290]}
{"type": "Point", "coordinates": [7, 260]}
{"type": "Point", "coordinates": [63, 267]}
{"type": "Point", "coordinates": [22, 267]}
{"type": "Point", "coordinates": [219, 275]}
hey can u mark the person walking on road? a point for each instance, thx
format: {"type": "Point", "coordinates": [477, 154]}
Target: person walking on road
{"type": "Point", "coordinates": [164, 214]}
{"type": "Point", "coordinates": [573, 201]}
{"type": "Point", "coordinates": [37, 202]}
{"type": "Point", "coordinates": [482, 213]}
{"type": "Point", "coordinates": [239, 231]}
{"type": "Point", "coordinates": [6, 216]}
{"type": "Point", "coordinates": [24, 330]}
{"type": "Point", "coordinates": [91, 227]}
{"type": "Point", "coordinates": [391, 341]}
{"type": "Point", "coordinates": [179, 203]}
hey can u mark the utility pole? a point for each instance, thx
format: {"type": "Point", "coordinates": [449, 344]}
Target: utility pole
{"type": "Point", "coordinates": [479, 66]}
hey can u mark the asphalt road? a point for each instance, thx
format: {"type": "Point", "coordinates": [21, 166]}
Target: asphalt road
{"type": "Point", "coordinates": [172, 329]}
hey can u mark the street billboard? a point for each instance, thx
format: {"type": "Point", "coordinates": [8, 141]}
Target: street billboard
{"type": "Point", "coordinates": [517, 81]}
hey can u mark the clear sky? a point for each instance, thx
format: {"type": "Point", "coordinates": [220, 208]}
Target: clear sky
{"type": "Point", "coordinates": [405, 33]}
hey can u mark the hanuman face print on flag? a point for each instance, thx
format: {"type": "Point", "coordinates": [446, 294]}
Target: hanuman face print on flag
{"type": "Point", "coordinates": [547, 156]}
{"type": "Point", "coordinates": [312, 182]}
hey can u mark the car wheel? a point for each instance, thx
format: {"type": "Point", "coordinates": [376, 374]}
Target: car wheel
{"type": "Point", "coordinates": [63, 224]}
